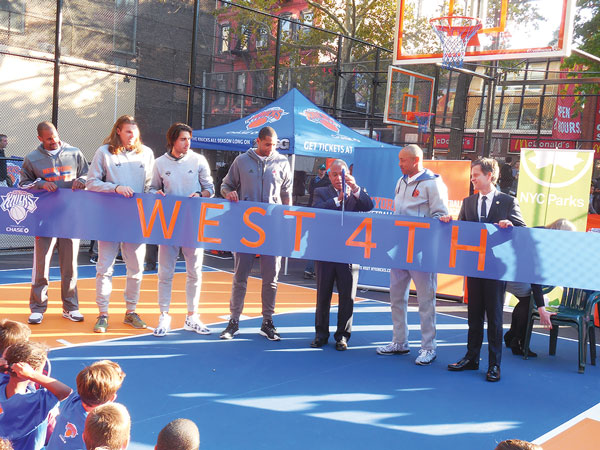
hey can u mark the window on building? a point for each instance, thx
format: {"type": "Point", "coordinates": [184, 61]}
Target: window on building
{"type": "Point", "coordinates": [12, 15]}
{"type": "Point", "coordinates": [262, 38]}
{"type": "Point", "coordinates": [529, 118]}
{"type": "Point", "coordinates": [241, 82]}
{"type": "Point", "coordinates": [288, 29]}
{"type": "Point", "coordinates": [307, 19]}
{"type": "Point", "coordinates": [221, 84]}
{"type": "Point", "coordinates": [125, 26]}
{"type": "Point", "coordinates": [224, 42]}
{"type": "Point", "coordinates": [242, 43]}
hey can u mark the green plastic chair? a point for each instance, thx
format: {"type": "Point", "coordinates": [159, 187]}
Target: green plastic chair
{"type": "Point", "coordinates": [576, 309]}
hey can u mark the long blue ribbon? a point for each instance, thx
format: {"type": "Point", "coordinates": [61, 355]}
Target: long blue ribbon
{"type": "Point", "coordinates": [560, 258]}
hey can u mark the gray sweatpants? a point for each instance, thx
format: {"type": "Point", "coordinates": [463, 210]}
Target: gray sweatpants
{"type": "Point", "coordinates": [167, 258]}
{"type": "Point", "coordinates": [67, 260]}
{"type": "Point", "coordinates": [269, 271]}
{"type": "Point", "coordinates": [426, 284]}
{"type": "Point", "coordinates": [133, 255]}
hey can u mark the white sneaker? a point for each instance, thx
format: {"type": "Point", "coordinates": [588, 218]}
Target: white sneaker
{"type": "Point", "coordinates": [393, 348]}
{"type": "Point", "coordinates": [425, 357]}
{"type": "Point", "coordinates": [193, 323]}
{"type": "Point", "coordinates": [164, 325]}
{"type": "Point", "coordinates": [36, 318]}
{"type": "Point", "coordinates": [75, 316]}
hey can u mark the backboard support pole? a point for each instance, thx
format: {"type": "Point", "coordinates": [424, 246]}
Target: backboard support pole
{"type": "Point", "coordinates": [436, 83]}
{"type": "Point", "coordinates": [489, 115]}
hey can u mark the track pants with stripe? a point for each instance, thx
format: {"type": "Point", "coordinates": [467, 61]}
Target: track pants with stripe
{"type": "Point", "coordinates": [67, 260]}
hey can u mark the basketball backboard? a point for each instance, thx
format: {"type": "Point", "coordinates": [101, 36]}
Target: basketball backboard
{"type": "Point", "coordinates": [407, 93]}
{"type": "Point", "coordinates": [511, 29]}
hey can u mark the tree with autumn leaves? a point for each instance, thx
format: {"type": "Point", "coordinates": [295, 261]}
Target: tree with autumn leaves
{"type": "Point", "coordinates": [307, 54]}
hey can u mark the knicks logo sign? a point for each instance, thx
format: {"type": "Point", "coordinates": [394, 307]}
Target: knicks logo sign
{"type": "Point", "coordinates": [18, 204]}
{"type": "Point", "coordinates": [269, 115]}
{"type": "Point", "coordinates": [70, 430]}
{"type": "Point", "coordinates": [318, 117]}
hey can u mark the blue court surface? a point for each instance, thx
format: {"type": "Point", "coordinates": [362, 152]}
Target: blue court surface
{"type": "Point", "coordinates": [250, 393]}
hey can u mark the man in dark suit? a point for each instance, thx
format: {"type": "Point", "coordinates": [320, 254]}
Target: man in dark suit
{"type": "Point", "coordinates": [506, 176]}
{"type": "Point", "coordinates": [486, 296]}
{"type": "Point", "coordinates": [344, 275]}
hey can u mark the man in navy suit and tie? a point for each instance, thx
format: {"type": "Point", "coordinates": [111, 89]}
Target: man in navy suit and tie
{"type": "Point", "coordinates": [489, 205]}
{"type": "Point", "coordinates": [343, 274]}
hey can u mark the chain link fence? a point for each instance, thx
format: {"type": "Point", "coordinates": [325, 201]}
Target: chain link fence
{"type": "Point", "coordinates": [208, 63]}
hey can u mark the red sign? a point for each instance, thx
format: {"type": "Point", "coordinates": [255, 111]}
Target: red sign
{"type": "Point", "coordinates": [596, 143]}
{"type": "Point", "coordinates": [519, 142]}
{"type": "Point", "coordinates": [567, 121]}
{"type": "Point", "coordinates": [442, 141]}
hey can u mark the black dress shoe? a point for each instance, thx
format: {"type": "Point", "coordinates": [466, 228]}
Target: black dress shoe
{"type": "Point", "coordinates": [493, 373]}
{"type": "Point", "coordinates": [464, 364]}
{"type": "Point", "coordinates": [318, 342]}
{"type": "Point", "coordinates": [507, 339]}
{"type": "Point", "coordinates": [341, 345]}
{"type": "Point", "coordinates": [519, 351]}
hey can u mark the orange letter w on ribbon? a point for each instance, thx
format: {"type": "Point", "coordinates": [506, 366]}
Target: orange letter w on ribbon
{"type": "Point", "coordinates": [158, 208]}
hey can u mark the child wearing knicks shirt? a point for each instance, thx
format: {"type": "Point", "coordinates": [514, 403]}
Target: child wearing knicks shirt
{"type": "Point", "coordinates": [24, 410]}
{"type": "Point", "coordinates": [97, 384]}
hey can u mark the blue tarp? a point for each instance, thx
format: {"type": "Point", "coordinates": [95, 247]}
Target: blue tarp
{"type": "Point", "coordinates": [302, 129]}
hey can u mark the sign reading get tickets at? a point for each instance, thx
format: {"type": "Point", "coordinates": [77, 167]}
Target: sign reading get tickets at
{"type": "Point", "coordinates": [462, 248]}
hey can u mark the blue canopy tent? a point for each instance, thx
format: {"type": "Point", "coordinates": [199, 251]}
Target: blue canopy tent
{"type": "Point", "coordinates": [302, 129]}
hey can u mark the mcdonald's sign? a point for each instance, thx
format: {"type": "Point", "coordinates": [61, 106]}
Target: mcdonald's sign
{"type": "Point", "coordinates": [519, 142]}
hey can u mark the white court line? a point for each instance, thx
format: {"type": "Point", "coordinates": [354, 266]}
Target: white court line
{"type": "Point", "coordinates": [592, 413]}
{"type": "Point", "coordinates": [124, 338]}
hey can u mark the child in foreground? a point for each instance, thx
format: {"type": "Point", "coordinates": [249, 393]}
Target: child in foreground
{"type": "Point", "coordinates": [24, 410]}
{"type": "Point", "coordinates": [97, 385]}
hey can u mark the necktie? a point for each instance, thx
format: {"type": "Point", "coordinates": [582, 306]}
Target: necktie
{"type": "Point", "coordinates": [483, 209]}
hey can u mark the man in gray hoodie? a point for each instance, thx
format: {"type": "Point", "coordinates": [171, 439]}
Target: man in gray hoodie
{"type": "Point", "coordinates": [51, 166]}
{"type": "Point", "coordinates": [259, 175]}
{"type": "Point", "coordinates": [420, 193]}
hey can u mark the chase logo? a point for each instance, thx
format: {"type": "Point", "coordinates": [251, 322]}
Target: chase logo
{"type": "Point", "coordinates": [557, 169]}
{"type": "Point", "coordinates": [269, 115]}
{"type": "Point", "coordinates": [18, 204]}
{"type": "Point", "coordinates": [318, 117]}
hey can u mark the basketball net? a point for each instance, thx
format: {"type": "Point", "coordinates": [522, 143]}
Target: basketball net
{"type": "Point", "coordinates": [455, 32]}
{"type": "Point", "coordinates": [422, 118]}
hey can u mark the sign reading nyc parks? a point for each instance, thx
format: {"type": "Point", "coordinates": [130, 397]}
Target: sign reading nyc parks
{"type": "Point", "coordinates": [464, 248]}
{"type": "Point", "coordinates": [555, 184]}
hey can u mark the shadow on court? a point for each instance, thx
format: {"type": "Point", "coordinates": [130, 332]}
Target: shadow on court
{"type": "Point", "coordinates": [250, 393]}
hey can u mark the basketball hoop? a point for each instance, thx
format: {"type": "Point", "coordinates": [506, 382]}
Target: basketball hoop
{"type": "Point", "coordinates": [455, 33]}
{"type": "Point", "coordinates": [422, 118]}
